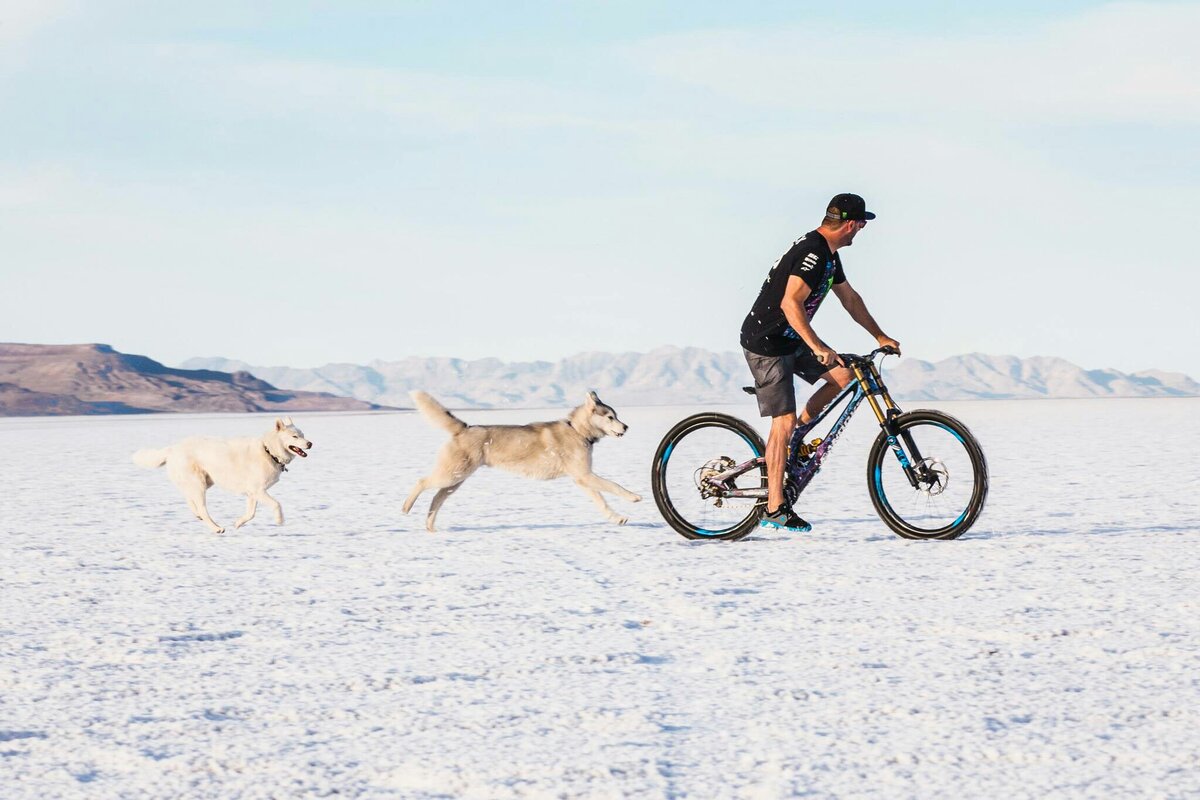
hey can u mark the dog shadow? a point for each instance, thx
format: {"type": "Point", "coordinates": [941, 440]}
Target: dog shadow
{"type": "Point", "coordinates": [548, 526]}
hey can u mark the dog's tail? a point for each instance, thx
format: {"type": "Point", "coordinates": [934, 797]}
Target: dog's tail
{"type": "Point", "coordinates": [436, 413]}
{"type": "Point", "coordinates": [150, 458]}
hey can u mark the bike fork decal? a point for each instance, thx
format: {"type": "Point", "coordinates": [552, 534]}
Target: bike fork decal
{"type": "Point", "coordinates": [899, 452]}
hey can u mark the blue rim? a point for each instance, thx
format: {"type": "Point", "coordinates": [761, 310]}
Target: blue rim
{"type": "Point", "coordinates": [666, 456]}
{"type": "Point", "coordinates": [883, 498]}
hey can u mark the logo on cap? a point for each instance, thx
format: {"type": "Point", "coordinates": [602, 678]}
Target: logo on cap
{"type": "Point", "coordinates": [848, 206]}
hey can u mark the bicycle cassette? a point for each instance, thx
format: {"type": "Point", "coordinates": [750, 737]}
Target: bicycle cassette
{"type": "Point", "coordinates": [710, 470]}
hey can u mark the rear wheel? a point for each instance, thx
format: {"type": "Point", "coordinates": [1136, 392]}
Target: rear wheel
{"type": "Point", "coordinates": [952, 479]}
{"type": "Point", "coordinates": [697, 448]}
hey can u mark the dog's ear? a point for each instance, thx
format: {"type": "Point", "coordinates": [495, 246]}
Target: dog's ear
{"type": "Point", "coordinates": [592, 400]}
{"type": "Point", "coordinates": [279, 425]}
{"type": "Point", "coordinates": [287, 422]}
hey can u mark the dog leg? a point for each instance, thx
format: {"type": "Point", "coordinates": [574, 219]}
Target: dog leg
{"type": "Point", "coordinates": [272, 504]}
{"type": "Point", "coordinates": [194, 486]}
{"type": "Point", "coordinates": [202, 512]}
{"type": "Point", "coordinates": [598, 499]}
{"type": "Point", "coordinates": [438, 499]}
{"type": "Point", "coordinates": [251, 506]}
{"type": "Point", "coordinates": [593, 481]}
{"type": "Point", "coordinates": [421, 486]}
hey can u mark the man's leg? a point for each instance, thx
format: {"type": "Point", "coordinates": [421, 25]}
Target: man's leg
{"type": "Point", "coordinates": [783, 425]}
{"type": "Point", "coordinates": [835, 379]}
{"type": "Point", "coordinates": [776, 394]}
{"type": "Point", "coordinates": [777, 444]}
{"type": "Point", "coordinates": [780, 436]}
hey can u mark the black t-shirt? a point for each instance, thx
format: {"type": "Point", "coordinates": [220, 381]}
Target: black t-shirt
{"type": "Point", "coordinates": [766, 331]}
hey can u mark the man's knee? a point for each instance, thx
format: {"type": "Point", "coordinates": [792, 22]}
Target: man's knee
{"type": "Point", "coordinates": [839, 377]}
{"type": "Point", "coordinates": [783, 424]}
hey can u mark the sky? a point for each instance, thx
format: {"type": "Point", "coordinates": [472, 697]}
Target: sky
{"type": "Point", "coordinates": [295, 183]}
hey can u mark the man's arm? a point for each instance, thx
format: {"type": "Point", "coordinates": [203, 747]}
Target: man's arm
{"type": "Point", "coordinates": [854, 305]}
{"type": "Point", "coordinates": [792, 305]}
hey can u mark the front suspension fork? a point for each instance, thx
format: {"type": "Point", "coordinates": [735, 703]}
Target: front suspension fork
{"type": "Point", "coordinates": [899, 441]}
{"type": "Point", "coordinates": [887, 412]}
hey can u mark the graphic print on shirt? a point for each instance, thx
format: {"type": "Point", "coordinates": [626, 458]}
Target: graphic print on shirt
{"type": "Point", "coordinates": [813, 301]}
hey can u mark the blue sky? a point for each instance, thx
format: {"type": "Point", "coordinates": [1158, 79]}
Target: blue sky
{"type": "Point", "coordinates": [299, 183]}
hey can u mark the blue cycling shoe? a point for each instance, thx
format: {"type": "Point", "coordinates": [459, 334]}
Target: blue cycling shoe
{"type": "Point", "coordinates": [785, 519]}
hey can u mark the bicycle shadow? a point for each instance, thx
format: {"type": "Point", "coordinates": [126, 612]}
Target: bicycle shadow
{"type": "Point", "coordinates": [1082, 530]}
{"type": "Point", "coordinates": [549, 526]}
{"type": "Point", "coordinates": [975, 535]}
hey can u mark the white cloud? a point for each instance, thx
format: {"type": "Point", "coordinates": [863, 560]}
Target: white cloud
{"type": "Point", "coordinates": [21, 19]}
{"type": "Point", "coordinates": [342, 94]}
{"type": "Point", "coordinates": [1120, 62]}
{"type": "Point", "coordinates": [35, 185]}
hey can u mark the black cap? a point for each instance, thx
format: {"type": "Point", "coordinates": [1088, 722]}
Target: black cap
{"type": "Point", "coordinates": [848, 206]}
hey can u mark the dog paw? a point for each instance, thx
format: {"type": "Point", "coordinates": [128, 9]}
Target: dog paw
{"type": "Point", "coordinates": [218, 530]}
{"type": "Point", "coordinates": [279, 519]}
{"type": "Point", "coordinates": [635, 498]}
{"type": "Point", "coordinates": [621, 520]}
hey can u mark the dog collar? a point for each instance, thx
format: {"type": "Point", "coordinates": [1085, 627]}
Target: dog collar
{"type": "Point", "coordinates": [282, 466]}
{"type": "Point", "coordinates": [589, 440]}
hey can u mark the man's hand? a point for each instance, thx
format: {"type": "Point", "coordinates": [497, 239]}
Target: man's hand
{"type": "Point", "coordinates": [887, 341]}
{"type": "Point", "coordinates": [827, 357]}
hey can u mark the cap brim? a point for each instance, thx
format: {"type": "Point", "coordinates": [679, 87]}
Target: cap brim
{"type": "Point", "coordinates": [868, 215]}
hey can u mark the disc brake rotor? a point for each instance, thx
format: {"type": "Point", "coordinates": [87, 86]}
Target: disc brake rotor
{"type": "Point", "coordinates": [935, 477]}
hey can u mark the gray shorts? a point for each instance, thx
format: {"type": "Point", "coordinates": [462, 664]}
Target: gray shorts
{"type": "Point", "coordinates": [773, 385]}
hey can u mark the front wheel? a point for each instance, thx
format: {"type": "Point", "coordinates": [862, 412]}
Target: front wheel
{"type": "Point", "coordinates": [689, 456]}
{"type": "Point", "coordinates": [947, 466]}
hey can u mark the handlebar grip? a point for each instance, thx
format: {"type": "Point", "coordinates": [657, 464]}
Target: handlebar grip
{"type": "Point", "coordinates": [850, 358]}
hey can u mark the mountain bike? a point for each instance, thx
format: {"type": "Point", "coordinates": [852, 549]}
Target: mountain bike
{"type": "Point", "coordinates": [926, 474]}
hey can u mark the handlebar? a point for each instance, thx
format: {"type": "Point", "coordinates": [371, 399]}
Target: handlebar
{"type": "Point", "coordinates": [850, 358]}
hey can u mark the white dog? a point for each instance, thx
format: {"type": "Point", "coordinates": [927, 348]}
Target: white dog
{"type": "Point", "coordinates": [542, 450]}
{"type": "Point", "coordinates": [246, 466]}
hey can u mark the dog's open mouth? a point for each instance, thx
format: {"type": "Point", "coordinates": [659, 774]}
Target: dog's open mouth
{"type": "Point", "coordinates": [297, 451]}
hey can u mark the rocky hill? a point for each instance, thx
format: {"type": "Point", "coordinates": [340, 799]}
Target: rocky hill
{"type": "Point", "coordinates": [693, 376]}
{"type": "Point", "coordinates": [41, 380]}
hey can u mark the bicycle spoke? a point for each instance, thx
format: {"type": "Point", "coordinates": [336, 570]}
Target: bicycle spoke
{"type": "Point", "coordinates": [689, 471]}
{"type": "Point", "coordinates": [946, 483]}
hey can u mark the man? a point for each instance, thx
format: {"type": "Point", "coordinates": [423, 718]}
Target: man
{"type": "Point", "coordinates": [779, 341]}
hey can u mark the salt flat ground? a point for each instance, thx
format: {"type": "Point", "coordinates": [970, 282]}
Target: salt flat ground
{"type": "Point", "coordinates": [532, 649]}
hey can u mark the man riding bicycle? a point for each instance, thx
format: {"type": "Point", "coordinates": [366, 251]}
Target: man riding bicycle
{"type": "Point", "coordinates": [778, 339]}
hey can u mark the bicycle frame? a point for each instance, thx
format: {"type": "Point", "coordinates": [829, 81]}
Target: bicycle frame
{"type": "Point", "coordinates": [867, 385]}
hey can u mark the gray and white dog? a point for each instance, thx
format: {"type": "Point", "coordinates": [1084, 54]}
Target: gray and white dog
{"type": "Point", "coordinates": [541, 450]}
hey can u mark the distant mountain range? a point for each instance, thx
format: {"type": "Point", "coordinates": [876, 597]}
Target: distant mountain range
{"type": "Point", "coordinates": [41, 380]}
{"type": "Point", "coordinates": [671, 375]}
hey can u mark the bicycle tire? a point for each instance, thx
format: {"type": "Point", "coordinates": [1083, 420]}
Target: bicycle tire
{"type": "Point", "coordinates": [881, 450]}
{"type": "Point", "coordinates": [662, 459]}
